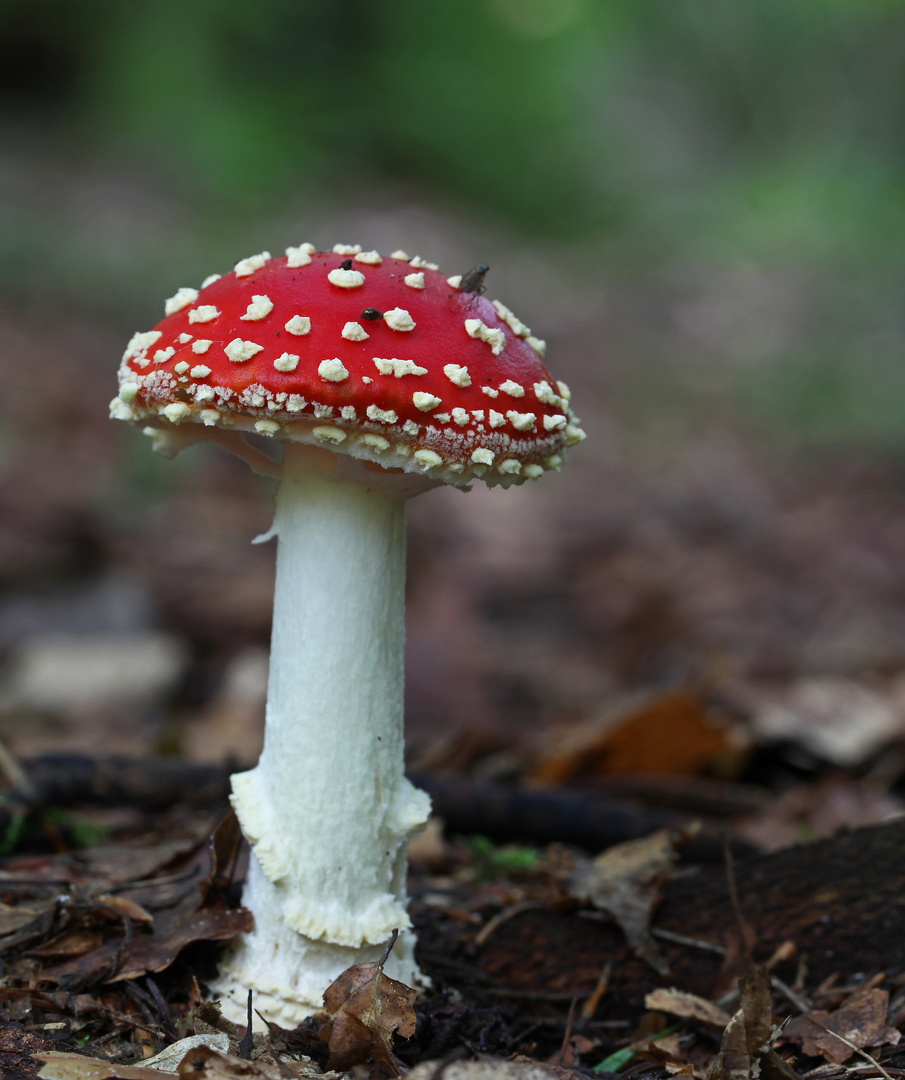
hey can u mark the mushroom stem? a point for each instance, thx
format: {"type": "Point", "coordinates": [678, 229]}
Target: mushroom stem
{"type": "Point", "coordinates": [327, 809]}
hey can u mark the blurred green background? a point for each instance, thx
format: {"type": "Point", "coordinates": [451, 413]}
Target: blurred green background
{"type": "Point", "coordinates": [725, 179]}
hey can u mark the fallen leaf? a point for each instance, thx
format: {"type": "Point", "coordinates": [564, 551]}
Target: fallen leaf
{"type": "Point", "coordinates": [679, 1003]}
{"type": "Point", "coordinates": [626, 881]}
{"type": "Point", "coordinates": [861, 1021]}
{"type": "Point", "coordinates": [745, 1050]}
{"type": "Point", "coordinates": [205, 1063]}
{"type": "Point", "coordinates": [65, 1066]}
{"type": "Point", "coordinates": [367, 1008]}
{"type": "Point", "coordinates": [168, 1059]}
{"type": "Point", "coordinates": [675, 734]}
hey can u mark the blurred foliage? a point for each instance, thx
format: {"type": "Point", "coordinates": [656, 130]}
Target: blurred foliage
{"type": "Point", "coordinates": [768, 126]}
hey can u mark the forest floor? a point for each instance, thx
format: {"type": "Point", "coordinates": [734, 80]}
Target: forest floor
{"type": "Point", "coordinates": [647, 698]}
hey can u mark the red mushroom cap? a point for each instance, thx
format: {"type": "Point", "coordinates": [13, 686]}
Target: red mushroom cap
{"type": "Point", "coordinates": [382, 358]}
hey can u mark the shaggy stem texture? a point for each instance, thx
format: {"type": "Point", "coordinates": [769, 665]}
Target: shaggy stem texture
{"type": "Point", "coordinates": [328, 810]}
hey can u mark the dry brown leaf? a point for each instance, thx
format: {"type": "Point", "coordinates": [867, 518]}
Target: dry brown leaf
{"type": "Point", "coordinates": [205, 1063]}
{"type": "Point", "coordinates": [679, 1003]}
{"type": "Point", "coordinates": [64, 1066]}
{"type": "Point", "coordinates": [675, 734]}
{"type": "Point", "coordinates": [124, 906]}
{"type": "Point", "coordinates": [367, 1008]}
{"type": "Point", "coordinates": [626, 881]}
{"type": "Point", "coordinates": [861, 1021]}
{"type": "Point", "coordinates": [745, 1050]}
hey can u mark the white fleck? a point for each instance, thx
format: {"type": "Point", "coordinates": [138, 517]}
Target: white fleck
{"type": "Point", "coordinates": [411, 428]}
{"type": "Point", "coordinates": [354, 331]}
{"type": "Point", "coordinates": [282, 395]}
{"type": "Point", "coordinates": [346, 249]}
{"type": "Point", "coordinates": [418, 263]}
{"type": "Point", "coordinates": [478, 414]}
{"type": "Point", "coordinates": [460, 416]}
{"type": "Point", "coordinates": [540, 347]}
{"type": "Point", "coordinates": [181, 368]}
{"type": "Point", "coordinates": [141, 341]}
{"type": "Point", "coordinates": [184, 339]}
{"type": "Point", "coordinates": [176, 411]}
{"type": "Point", "coordinates": [494, 337]}
{"type": "Point", "coordinates": [428, 458]}
{"type": "Point", "coordinates": [128, 390]}
{"type": "Point", "coordinates": [414, 281]}
{"type": "Point", "coordinates": [514, 323]}
{"type": "Point", "coordinates": [259, 308]}
{"type": "Point", "coordinates": [522, 421]}
{"type": "Point", "coordinates": [298, 325]}
{"type": "Point", "coordinates": [366, 379]}
{"type": "Point", "coordinates": [398, 319]}
{"type": "Point", "coordinates": [332, 370]}
{"type": "Point", "coordinates": [295, 403]}
{"type": "Point", "coordinates": [403, 449]}
{"type": "Point", "coordinates": [183, 298]}
{"type": "Point", "coordinates": [347, 412]}
{"type": "Point", "coordinates": [119, 410]}
{"type": "Point", "coordinates": [210, 279]}
{"type": "Point", "coordinates": [286, 362]}
{"type": "Point", "coordinates": [399, 254]}
{"type": "Point", "coordinates": [266, 427]}
{"type": "Point", "coordinates": [204, 313]}
{"type": "Point", "coordinates": [385, 416]}
{"type": "Point", "coordinates": [209, 417]}
{"type": "Point", "coordinates": [200, 371]}
{"type": "Point", "coordinates": [564, 392]}
{"type": "Point", "coordinates": [321, 412]}
{"type": "Point", "coordinates": [455, 281]}
{"type": "Point", "coordinates": [456, 467]}
{"type": "Point", "coordinates": [378, 442]}
{"type": "Point", "coordinates": [244, 267]}
{"type": "Point", "coordinates": [239, 351]}
{"type": "Point", "coordinates": [574, 435]}
{"type": "Point", "coordinates": [513, 389]}
{"type": "Point", "coordinates": [556, 422]}
{"type": "Point", "coordinates": [457, 374]}
{"type": "Point", "coordinates": [299, 256]}
{"type": "Point", "coordinates": [162, 355]}
{"type": "Point", "coordinates": [346, 279]}
{"type": "Point", "coordinates": [544, 392]}
{"type": "Point", "coordinates": [397, 367]}
{"type": "Point", "coordinates": [201, 345]}
{"type": "Point", "coordinates": [257, 400]}
{"type": "Point", "coordinates": [425, 402]}
{"type": "Point", "coordinates": [489, 391]}
{"type": "Point", "coordinates": [510, 465]}
{"type": "Point", "coordinates": [329, 434]}
{"type": "Point", "coordinates": [442, 417]}
{"type": "Point", "coordinates": [203, 393]}
{"type": "Point", "coordinates": [482, 456]}
{"type": "Point", "coordinates": [554, 461]}
{"type": "Point", "coordinates": [496, 419]}
{"type": "Point", "coordinates": [533, 471]}
{"type": "Point", "coordinates": [369, 258]}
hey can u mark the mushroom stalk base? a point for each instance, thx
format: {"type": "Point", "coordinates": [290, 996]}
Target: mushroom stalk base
{"type": "Point", "coordinates": [328, 810]}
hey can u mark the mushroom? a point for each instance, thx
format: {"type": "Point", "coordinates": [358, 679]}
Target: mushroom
{"type": "Point", "coordinates": [383, 379]}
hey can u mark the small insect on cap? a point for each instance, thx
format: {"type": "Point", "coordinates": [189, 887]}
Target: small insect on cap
{"type": "Point", "coordinates": [382, 358]}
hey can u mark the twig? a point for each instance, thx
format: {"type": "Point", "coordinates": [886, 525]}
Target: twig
{"type": "Point", "coordinates": [12, 770]}
{"type": "Point", "coordinates": [683, 939]}
{"type": "Point", "coordinates": [857, 1049]}
{"type": "Point", "coordinates": [501, 917]}
{"type": "Point", "coordinates": [603, 982]}
{"type": "Point", "coordinates": [567, 1034]}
